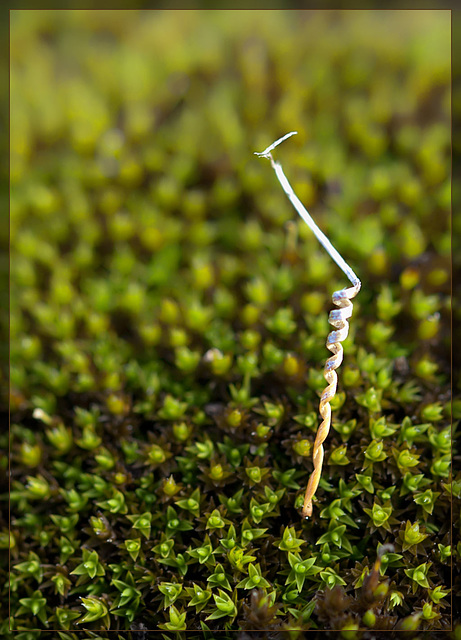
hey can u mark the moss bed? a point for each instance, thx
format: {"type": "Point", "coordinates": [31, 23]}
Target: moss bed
{"type": "Point", "coordinates": [169, 313]}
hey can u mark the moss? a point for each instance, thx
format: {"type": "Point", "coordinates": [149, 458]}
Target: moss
{"type": "Point", "coordinates": [168, 326]}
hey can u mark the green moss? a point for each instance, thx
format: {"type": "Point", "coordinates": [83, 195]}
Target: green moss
{"type": "Point", "coordinates": [168, 326]}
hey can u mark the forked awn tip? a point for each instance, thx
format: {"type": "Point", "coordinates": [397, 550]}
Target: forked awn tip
{"type": "Point", "coordinates": [266, 152]}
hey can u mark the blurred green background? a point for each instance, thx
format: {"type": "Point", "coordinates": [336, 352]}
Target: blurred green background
{"type": "Point", "coordinates": [136, 130]}
{"type": "Point", "coordinates": [144, 232]}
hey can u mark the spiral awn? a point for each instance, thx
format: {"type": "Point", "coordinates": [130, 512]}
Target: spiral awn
{"type": "Point", "coordinates": [338, 318]}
